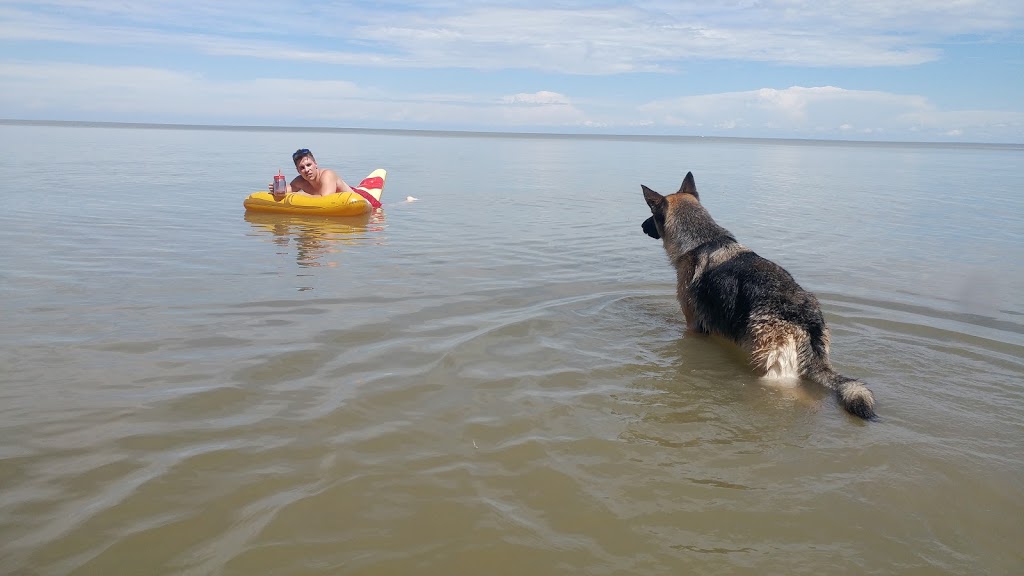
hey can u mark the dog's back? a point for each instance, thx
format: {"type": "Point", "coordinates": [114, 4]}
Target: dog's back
{"type": "Point", "coordinates": [726, 289]}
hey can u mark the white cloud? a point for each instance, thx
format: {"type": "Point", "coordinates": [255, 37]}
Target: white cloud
{"type": "Point", "coordinates": [623, 39]}
{"type": "Point", "coordinates": [825, 111]}
{"type": "Point", "coordinates": [541, 97]}
{"type": "Point", "coordinates": [582, 39]}
{"type": "Point", "coordinates": [927, 18]}
{"type": "Point", "coordinates": [137, 92]}
{"type": "Point", "coordinates": [542, 108]}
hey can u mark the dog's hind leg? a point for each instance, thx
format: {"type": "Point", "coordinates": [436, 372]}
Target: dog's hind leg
{"type": "Point", "coordinates": [774, 346]}
{"type": "Point", "coordinates": [783, 350]}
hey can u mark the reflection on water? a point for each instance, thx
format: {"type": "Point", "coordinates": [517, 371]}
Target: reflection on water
{"type": "Point", "coordinates": [316, 237]}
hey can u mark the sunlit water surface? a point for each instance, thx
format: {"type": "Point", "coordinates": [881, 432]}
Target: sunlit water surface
{"type": "Point", "coordinates": [495, 378]}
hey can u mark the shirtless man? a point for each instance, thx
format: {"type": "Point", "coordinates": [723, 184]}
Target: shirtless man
{"type": "Point", "coordinates": [312, 180]}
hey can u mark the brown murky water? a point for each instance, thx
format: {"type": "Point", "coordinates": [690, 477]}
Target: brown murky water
{"type": "Point", "coordinates": [494, 378]}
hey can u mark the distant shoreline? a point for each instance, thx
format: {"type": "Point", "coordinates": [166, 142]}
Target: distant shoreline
{"type": "Point", "coordinates": [499, 134]}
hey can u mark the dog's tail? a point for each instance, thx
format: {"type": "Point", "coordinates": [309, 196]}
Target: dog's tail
{"type": "Point", "coordinates": [853, 394]}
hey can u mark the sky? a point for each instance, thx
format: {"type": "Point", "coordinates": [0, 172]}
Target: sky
{"type": "Point", "coordinates": [906, 70]}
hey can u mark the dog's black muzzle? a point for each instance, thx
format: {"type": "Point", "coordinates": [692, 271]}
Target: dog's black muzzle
{"type": "Point", "coordinates": [650, 229]}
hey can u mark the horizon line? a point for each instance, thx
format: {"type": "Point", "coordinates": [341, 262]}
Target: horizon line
{"type": "Point", "coordinates": [479, 133]}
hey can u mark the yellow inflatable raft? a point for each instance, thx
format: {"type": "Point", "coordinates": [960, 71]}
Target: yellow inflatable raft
{"type": "Point", "coordinates": [366, 197]}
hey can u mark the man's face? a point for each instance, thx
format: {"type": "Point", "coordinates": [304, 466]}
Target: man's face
{"type": "Point", "coordinates": [306, 167]}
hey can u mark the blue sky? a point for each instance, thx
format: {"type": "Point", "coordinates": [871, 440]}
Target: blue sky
{"type": "Point", "coordinates": [917, 70]}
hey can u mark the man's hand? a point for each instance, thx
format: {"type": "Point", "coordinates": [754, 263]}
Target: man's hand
{"type": "Point", "coordinates": [278, 197]}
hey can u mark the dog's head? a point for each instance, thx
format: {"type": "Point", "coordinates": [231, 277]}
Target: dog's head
{"type": "Point", "coordinates": [660, 205]}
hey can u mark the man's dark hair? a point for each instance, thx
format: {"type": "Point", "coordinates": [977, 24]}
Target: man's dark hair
{"type": "Point", "coordinates": [300, 154]}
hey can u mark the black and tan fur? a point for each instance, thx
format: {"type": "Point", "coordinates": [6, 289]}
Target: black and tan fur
{"type": "Point", "coordinates": [726, 289]}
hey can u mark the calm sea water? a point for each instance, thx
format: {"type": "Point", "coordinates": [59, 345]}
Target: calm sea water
{"type": "Point", "coordinates": [494, 378]}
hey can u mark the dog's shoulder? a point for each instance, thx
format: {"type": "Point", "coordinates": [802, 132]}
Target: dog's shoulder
{"type": "Point", "coordinates": [717, 250]}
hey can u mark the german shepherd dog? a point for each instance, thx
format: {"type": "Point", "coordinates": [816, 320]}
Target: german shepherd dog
{"type": "Point", "coordinates": [726, 289]}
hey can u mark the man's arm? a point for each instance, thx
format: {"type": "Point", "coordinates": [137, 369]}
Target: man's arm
{"type": "Point", "coordinates": [298, 185]}
{"type": "Point", "coordinates": [328, 183]}
{"type": "Point", "coordinates": [342, 185]}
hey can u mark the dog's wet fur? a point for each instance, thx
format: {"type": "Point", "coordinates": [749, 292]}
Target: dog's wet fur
{"type": "Point", "coordinates": [726, 289]}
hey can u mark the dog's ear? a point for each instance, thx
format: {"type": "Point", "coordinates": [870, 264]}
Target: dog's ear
{"type": "Point", "coordinates": [654, 200]}
{"type": "Point", "coordinates": [657, 204]}
{"type": "Point", "coordinates": [689, 186]}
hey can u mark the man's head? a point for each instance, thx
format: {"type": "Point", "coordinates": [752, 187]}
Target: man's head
{"type": "Point", "coordinates": [305, 164]}
{"type": "Point", "coordinates": [300, 154]}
